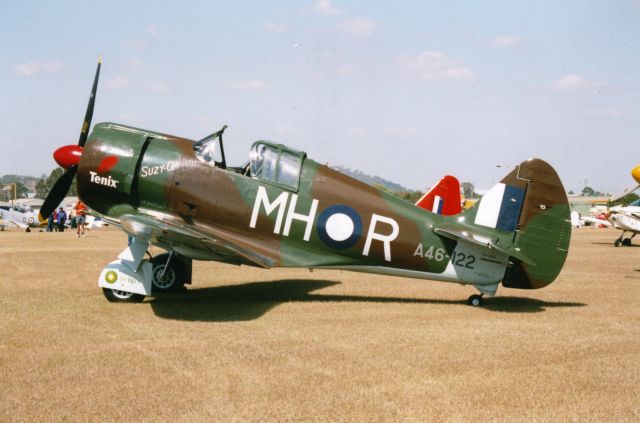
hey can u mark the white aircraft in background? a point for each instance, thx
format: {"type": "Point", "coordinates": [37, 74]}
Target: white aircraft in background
{"type": "Point", "coordinates": [21, 216]}
{"type": "Point", "coordinates": [624, 218]}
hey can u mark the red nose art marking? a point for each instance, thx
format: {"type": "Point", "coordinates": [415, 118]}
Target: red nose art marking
{"type": "Point", "coordinates": [107, 164]}
{"type": "Point", "coordinates": [68, 155]}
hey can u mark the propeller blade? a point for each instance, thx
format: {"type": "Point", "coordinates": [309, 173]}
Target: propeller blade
{"type": "Point", "coordinates": [616, 197]}
{"type": "Point", "coordinates": [57, 193]}
{"type": "Point", "coordinates": [86, 125]}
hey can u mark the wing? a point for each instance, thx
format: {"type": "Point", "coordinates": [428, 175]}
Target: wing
{"type": "Point", "coordinates": [595, 220]}
{"type": "Point", "coordinates": [172, 234]}
{"type": "Point", "coordinates": [13, 222]}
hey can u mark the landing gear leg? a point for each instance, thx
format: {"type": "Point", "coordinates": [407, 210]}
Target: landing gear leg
{"type": "Point", "coordinates": [620, 241]}
{"type": "Point", "coordinates": [127, 279]}
{"type": "Point", "coordinates": [170, 272]}
{"type": "Point", "coordinates": [475, 300]}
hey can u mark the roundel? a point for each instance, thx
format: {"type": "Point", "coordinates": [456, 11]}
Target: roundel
{"type": "Point", "coordinates": [111, 276]}
{"type": "Point", "coordinates": [339, 227]}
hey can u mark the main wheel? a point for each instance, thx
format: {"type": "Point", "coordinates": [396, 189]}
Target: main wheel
{"type": "Point", "coordinates": [626, 242]}
{"type": "Point", "coordinates": [116, 296]}
{"type": "Point", "coordinates": [475, 300]}
{"type": "Point", "coordinates": [169, 280]}
{"type": "Point", "coordinates": [618, 242]}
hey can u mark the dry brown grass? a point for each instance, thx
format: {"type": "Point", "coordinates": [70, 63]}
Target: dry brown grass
{"type": "Point", "coordinates": [253, 345]}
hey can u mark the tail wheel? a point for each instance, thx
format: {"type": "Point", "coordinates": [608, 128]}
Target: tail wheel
{"type": "Point", "coordinates": [475, 300]}
{"type": "Point", "coordinates": [116, 296]}
{"type": "Point", "coordinates": [167, 279]}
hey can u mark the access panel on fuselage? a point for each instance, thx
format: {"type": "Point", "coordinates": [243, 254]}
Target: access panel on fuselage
{"type": "Point", "coordinates": [159, 161]}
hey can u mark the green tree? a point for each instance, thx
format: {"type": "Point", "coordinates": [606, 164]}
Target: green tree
{"type": "Point", "coordinates": [21, 190]}
{"type": "Point", "coordinates": [44, 185]}
{"type": "Point", "coordinates": [469, 190]}
{"type": "Point", "coordinates": [41, 189]}
{"type": "Point", "coordinates": [588, 192]}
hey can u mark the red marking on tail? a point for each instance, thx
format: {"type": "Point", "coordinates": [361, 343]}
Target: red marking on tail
{"type": "Point", "coordinates": [444, 198]}
{"type": "Point", "coordinates": [107, 164]}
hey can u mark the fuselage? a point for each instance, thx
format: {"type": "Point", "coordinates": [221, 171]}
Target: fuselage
{"type": "Point", "coordinates": [328, 220]}
{"type": "Point", "coordinates": [284, 209]}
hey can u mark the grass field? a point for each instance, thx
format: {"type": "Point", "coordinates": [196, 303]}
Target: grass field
{"type": "Point", "coordinates": [289, 345]}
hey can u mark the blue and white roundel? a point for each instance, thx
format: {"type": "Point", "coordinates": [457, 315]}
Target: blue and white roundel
{"type": "Point", "coordinates": [339, 227]}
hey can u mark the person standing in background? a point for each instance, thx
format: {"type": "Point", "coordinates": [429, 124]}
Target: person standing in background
{"type": "Point", "coordinates": [61, 219]}
{"type": "Point", "coordinates": [81, 213]}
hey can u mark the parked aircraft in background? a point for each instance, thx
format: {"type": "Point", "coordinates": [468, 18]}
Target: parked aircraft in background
{"type": "Point", "coordinates": [624, 218]}
{"type": "Point", "coordinates": [283, 209]}
{"type": "Point", "coordinates": [21, 216]}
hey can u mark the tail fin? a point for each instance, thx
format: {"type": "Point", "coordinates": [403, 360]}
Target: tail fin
{"type": "Point", "coordinates": [444, 198]}
{"type": "Point", "coordinates": [530, 210]}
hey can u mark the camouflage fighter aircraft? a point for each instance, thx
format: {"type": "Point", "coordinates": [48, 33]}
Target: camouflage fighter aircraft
{"type": "Point", "coordinates": [282, 209]}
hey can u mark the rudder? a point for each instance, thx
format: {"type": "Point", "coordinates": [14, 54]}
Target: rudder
{"type": "Point", "coordinates": [543, 230]}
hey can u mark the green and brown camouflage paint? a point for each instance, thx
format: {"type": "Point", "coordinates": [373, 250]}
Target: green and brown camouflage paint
{"type": "Point", "coordinates": [129, 171]}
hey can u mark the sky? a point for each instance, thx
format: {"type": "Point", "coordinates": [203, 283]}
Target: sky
{"type": "Point", "coordinates": [407, 90]}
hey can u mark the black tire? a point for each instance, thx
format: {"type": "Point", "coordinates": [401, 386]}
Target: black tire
{"type": "Point", "coordinates": [618, 242]}
{"type": "Point", "coordinates": [174, 277]}
{"type": "Point", "coordinates": [626, 242]}
{"type": "Point", "coordinates": [475, 300]}
{"type": "Point", "coordinates": [115, 296]}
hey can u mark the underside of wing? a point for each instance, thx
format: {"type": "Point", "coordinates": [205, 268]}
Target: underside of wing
{"type": "Point", "coordinates": [189, 241]}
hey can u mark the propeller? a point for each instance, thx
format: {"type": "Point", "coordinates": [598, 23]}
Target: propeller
{"type": "Point", "coordinates": [69, 157]}
{"type": "Point", "coordinates": [635, 173]}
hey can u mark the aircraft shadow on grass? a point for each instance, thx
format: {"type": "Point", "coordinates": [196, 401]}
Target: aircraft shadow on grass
{"type": "Point", "coordinates": [611, 244]}
{"type": "Point", "coordinates": [252, 300]}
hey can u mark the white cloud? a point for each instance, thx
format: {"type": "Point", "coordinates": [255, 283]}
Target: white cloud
{"type": "Point", "coordinates": [118, 82]}
{"type": "Point", "coordinates": [132, 118]}
{"type": "Point", "coordinates": [611, 112]}
{"type": "Point", "coordinates": [250, 85]}
{"type": "Point", "coordinates": [137, 44]}
{"type": "Point", "coordinates": [505, 41]}
{"type": "Point", "coordinates": [572, 82]}
{"type": "Point", "coordinates": [274, 28]}
{"type": "Point", "coordinates": [283, 130]}
{"type": "Point", "coordinates": [347, 70]}
{"type": "Point", "coordinates": [325, 7]}
{"type": "Point", "coordinates": [28, 69]}
{"type": "Point", "coordinates": [134, 65]}
{"type": "Point", "coordinates": [159, 86]}
{"type": "Point", "coordinates": [358, 27]}
{"type": "Point", "coordinates": [401, 131]}
{"type": "Point", "coordinates": [432, 65]}
{"type": "Point", "coordinates": [34, 68]}
{"type": "Point", "coordinates": [53, 66]}
{"type": "Point", "coordinates": [204, 120]}
{"type": "Point", "coordinates": [356, 132]}
{"type": "Point", "coordinates": [152, 31]}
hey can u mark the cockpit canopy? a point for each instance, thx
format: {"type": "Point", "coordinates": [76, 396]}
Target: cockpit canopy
{"type": "Point", "coordinates": [210, 149]}
{"type": "Point", "coordinates": [273, 163]}
{"type": "Point", "coordinates": [276, 163]}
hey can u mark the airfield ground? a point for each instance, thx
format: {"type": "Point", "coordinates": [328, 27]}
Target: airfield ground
{"type": "Point", "coordinates": [253, 345]}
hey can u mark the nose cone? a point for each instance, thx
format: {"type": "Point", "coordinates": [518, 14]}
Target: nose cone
{"type": "Point", "coordinates": [636, 174]}
{"type": "Point", "coordinates": [68, 155]}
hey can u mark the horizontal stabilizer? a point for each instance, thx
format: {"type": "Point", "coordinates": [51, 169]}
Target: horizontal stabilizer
{"type": "Point", "coordinates": [464, 235]}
